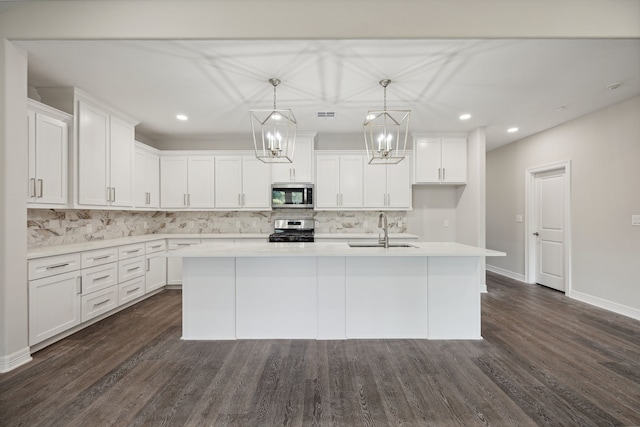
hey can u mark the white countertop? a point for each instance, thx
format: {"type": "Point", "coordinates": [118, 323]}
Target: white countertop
{"type": "Point", "coordinates": [322, 249]}
{"type": "Point", "coordinates": [45, 251]}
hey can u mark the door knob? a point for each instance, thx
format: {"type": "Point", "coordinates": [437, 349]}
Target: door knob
{"type": "Point", "coordinates": [536, 234]}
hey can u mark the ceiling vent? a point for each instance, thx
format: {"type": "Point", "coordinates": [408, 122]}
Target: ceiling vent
{"type": "Point", "coordinates": [326, 114]}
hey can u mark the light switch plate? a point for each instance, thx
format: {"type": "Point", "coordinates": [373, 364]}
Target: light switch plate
{"type": "Point", "coordinates": [518, 218]}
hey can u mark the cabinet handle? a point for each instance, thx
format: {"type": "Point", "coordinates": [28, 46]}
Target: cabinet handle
{"type": "Point", "coordinates": [132, 269]}
{"type": "Point", "coordinates": [242, 199]}
{"type": "Point", "coordinates": [341, 198]}
{"type": "Point", "coordinates": [51, 267]}
{"type": "Point", "coordinates": [133, 251]}
{"type": "Point", "coordinates": [148, 264]}
{"type": "Point", "coordinates": [108, 194]}
{"type": "Point", "coordinates": [132, 290]}
{"type": "Point", "coordinates": [239, 199]}
{"type": "Point", "coordinates": [79, 285]}
{"type": "Point", "coordinates": [184, 199]}
{"type": "Point", "coordinates": [188, 199]}
{"type": "Point", "coordinates": [32, 187]}
{"type": "Point", "coordinates": [338, 199]}
{"type": "Point", "coordinates": [40, 184]}
{"type": "Point", "coordinates": [156, 246]}
{"type": "Point", "coordinates": [101, 278]}
{"type": "Point", "coordinates": [98, 304]}
{"type": "Point", "coordinates": [113, 190]}
{"type": "Point", "coordinates": [147, 198]}
{"type": "Point", "coordinates": [101, 257]}
{"type": "Point", "coordinates": [439, 174]}
{"type": "Point", "coordinates": [388, 199]}
{"type": "Point", "coordinates": [294, 173]}
{"type": "Point", "coordinates": [443, 173]}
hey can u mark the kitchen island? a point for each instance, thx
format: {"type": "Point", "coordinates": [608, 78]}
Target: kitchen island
{"type": "Point", "coordinates": [331, 291]}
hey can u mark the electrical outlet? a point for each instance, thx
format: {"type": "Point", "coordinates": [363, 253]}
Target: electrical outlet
{"type": "Point", "coordinates": [89, 228]}
{"type": "Point", "coordinates": [145, 225]}
{"type": "Point", "coordinates": [400, 223]}
{"type": "Point", "coordinates": [190, 224]}
{"type": "Point", "coordinates": [518, 218]}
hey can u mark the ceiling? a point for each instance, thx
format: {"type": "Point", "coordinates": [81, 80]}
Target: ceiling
{"type": "Point", "coordinates": [530, 84]}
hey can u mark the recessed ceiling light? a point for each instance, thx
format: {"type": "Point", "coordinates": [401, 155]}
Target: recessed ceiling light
{"type": "Point", "coordinates": [512, 130]}
{"type": "Point", "coordinates": [465, 116]}
{"type": "Point", "coordinates": [182, 117]}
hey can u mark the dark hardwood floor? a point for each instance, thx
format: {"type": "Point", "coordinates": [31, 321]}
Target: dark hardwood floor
{"type": "Point", "coordinates": [545, 360]}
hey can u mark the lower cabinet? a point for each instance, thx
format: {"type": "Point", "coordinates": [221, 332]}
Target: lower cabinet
{"type": "Point", "coordinates": [68, 290]}
{"type": "Point", "coordinates": [174, 265]}
{"type": "Point", "coordinates": [54, 305]}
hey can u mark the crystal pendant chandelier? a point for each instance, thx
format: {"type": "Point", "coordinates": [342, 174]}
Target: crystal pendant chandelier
{"type": "Point", "coordinates": [274, 132]}
{"type": "Point", "coordinates": [386, 133]}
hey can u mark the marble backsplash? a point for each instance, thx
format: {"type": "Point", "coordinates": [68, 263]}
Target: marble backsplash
{"type": "Point", "coordinates": [48, 227]}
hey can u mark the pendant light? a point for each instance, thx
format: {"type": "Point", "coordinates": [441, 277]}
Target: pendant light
{"type": "Point", "coordinates": [386, 133]}
{"type": "Point", "coordinates": [274, 132]}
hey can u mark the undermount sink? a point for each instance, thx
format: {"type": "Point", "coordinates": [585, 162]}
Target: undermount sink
{"type": "Point", "coordinates": [380, 245]}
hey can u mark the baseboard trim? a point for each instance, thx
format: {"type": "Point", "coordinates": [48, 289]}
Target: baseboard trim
{"type": "Point", "coordinates": [615, 307]}
{"type": "Point", "coordinates": [507, 273]}
{"type": "Point", "coordinates": [14, 360]}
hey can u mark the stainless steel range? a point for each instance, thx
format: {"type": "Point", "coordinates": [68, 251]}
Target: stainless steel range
{"type": "Point", "coordinates": [293, 230]}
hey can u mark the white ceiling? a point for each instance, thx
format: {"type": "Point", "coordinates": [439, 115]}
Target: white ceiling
{"type": "Point", "coordinates": [531, 84]}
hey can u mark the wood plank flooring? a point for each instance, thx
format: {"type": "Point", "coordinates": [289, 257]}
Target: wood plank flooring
{"type": "Point", "coordinates": [545, 360]}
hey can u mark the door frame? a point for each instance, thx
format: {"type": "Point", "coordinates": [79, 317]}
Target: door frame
{"type": "Point", "coordinates": [530, 242]}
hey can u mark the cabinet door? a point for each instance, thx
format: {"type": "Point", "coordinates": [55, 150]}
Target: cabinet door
{"type": "Point", "coordinates": [301, 170]}
{"type": "Point", "coordinates": [152, 180]}
{"type": "Point", "coordinates": [375, 186]}
{"type": "Point", "coordinates": [139, 178]}
{"type": "Point", "coordinates": [174, 265]}
{"type": "Point", "coordinates": [228, 182]}
{"type": "Point", "coordinates": [121, 162]}
{"type": "Point", "coordinates": [427, 160]}
{"type": "Point", "coordinates": [327, 189]}
{"type": "Point", "coordinates": [93, 146]}
{"type": "Point", "coordinates": [54, 305]}
{"type": "Point", "coordinates": [256, 191]}
{"type": "Point", "coordinates": [351, 176]}
{"type": "Point", "coordinates": [173, 182]}
{"type": "Point", "coordinates": [200, 181]}
{"type": "Point", "coordinates": [454, 160]}
{"type": "Point", "coordinates": [51, 160]}
{"type": "Point", "coordinates": [156, 275]}
{"type": "Point", "coordinates": [399, 185]}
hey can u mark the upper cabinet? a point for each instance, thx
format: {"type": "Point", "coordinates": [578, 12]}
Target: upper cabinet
{"type": "Point", "coordinates": [339, 181]}
{"type": "Point", "coordinates": [242, 182]}
{"type": "Point", "coordinates": [440, 160]}
{"type": "Point", "coordinates": [388, 187]}
{"type": "Point", "coordinates": [102, 148]}
{"type": "Point", "coordinates": [146, 177]}
{"type": "Point", "coordinates": [187, 181]}
{"type": "Point", "coordinates": [48, 155]}
{"type": "Point", "coordinates": [301, 170]}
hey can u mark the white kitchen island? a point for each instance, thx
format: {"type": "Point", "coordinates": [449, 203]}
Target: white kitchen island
{"type": "Point", "coordinates": [331, 291]}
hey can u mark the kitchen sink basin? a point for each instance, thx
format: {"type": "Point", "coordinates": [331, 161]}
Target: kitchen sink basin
{"type": "Point", "coordinates": [380, 245]}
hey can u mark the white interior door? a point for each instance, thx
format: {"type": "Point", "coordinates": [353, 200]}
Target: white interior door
{"type": "Point", "coordinates": [549, 228]}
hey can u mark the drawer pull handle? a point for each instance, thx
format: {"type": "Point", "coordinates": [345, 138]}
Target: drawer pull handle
{"type": "Point", "coordinates": [185, 244]}
{"type": "Point", "coordinates": [133, 269]}
{"type": "Point", "coordinates": [101, 278]}
{"type": "Point", "coordinates": [51, 267]}
{"type": "Point", "coordinates": [98, 304]}
{"type": "Point", "coordinates": [133, 290]}
{"type": "Point", "coordinates": [156, 247]}
{"type": "Point", "coordinates": [133, 251]}
{"type": "Point", "coordinates": [98, 258]}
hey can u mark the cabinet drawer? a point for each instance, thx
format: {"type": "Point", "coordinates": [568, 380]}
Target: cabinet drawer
{"type": "Point", "coordinates": [130, 290]}
{"type": "Point", "coordinates": [131, 268]}
{"type": "Point", "coordinates": [182, 243]}
{"type": "Point", "coordinates": [99, 302]}
{"type": "Point", "coordinates": [130, 251]}
{"type": "Point", "coordinates": [156, 246]}
{"type": "Point", "coordinates": [99, 277]}
{"type": "Point", "coordinates": [99, 257]}
{"type": "Point", "coordinates": [50, 266]}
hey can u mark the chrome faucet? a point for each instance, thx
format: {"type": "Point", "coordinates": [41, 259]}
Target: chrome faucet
{"type": "Point", "coordinates": [385, 226]}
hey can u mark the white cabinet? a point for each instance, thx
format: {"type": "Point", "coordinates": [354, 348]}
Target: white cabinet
{"type": "Point", "coordinates": [301, 170]}
{"type": "Point", "coordinates": [187, 181]}
{"type": "Point", "coordinates": [174, 265]}
{"type": "Point", "coordinates": [105, 157]}
{"type": "Point", "coordinates": [242, 182]}
{"type": "Point", "coordinates": [146, 177]}
{"type": "Point", "coordinates": [339, 181]}
{"type": "Point", "coordinates": [48, 155]}
{"type": "Point", "coordinates": [54, 305]}
{"type": "Point", "coordinates": [156, 271]}
{"type": "Point", "coordinates": [440, 160]}
{"type": "Point", "coordinates": [388, 186]}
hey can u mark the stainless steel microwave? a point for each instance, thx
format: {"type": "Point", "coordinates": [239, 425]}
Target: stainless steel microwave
{"type": "Point", "coordinates": [292, 195]}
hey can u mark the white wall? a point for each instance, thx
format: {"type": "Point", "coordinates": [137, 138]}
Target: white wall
{"type": "Point", "coordinates": [604, 149]}
{"type": "Point", "coordinates": [14, 344]}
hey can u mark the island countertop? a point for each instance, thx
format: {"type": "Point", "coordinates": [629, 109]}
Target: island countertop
{"type": "Point", "coordinates": [325, 249]}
